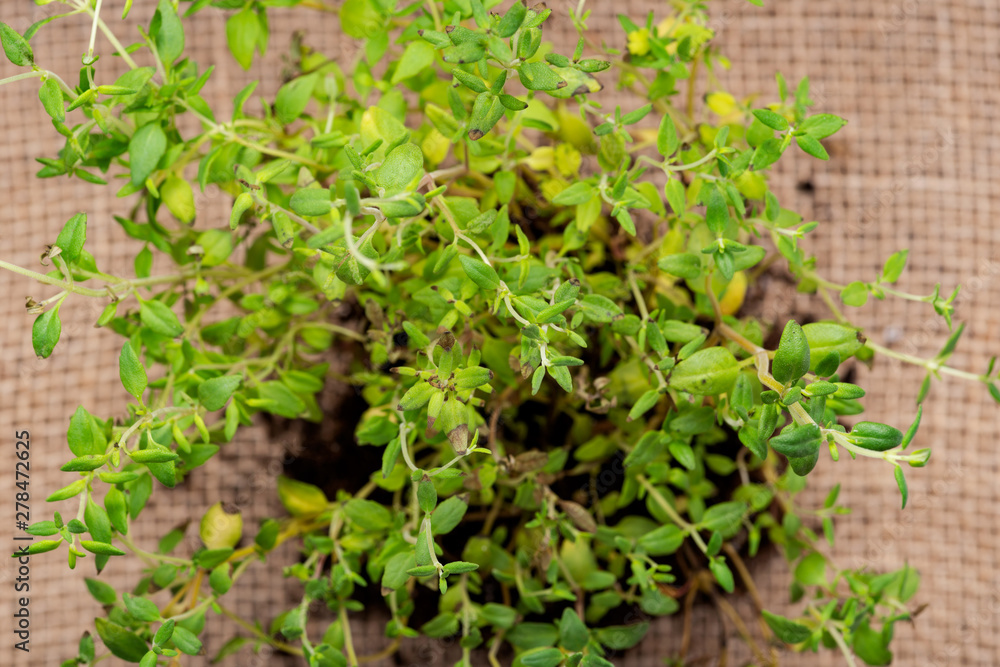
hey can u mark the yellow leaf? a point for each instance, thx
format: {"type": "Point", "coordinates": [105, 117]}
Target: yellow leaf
{"type": "Point", "coordinates": [435, 147]}
{"type": "Point", "coordinates": [638, 42]}
{"type": "Point", "coordinates": [179, 198]}
{"type": "Point", "coordinates": [722, 104]}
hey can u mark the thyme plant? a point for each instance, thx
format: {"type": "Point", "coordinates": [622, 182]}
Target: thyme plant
{"type": "Point", "coordinates": [578, 430]}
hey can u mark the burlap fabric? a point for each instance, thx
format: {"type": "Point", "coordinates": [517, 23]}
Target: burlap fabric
{"type": "Point", "coordinates": [914, 168]}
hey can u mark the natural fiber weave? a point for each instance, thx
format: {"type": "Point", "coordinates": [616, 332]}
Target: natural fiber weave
{"type": "Point", "coordinates": [914, 168]}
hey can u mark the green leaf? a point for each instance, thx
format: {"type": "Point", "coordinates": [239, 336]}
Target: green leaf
{"type": "Point", "coordinates": [622, 637]}
{"type": "Point", "coordinates": [396, 572]}
{"type": "Point", "coordinates": [240, 206]}
{"type": "Point", "coordinates": [791, 360]}
{"type": "Point", "coordinates": [115, 505]}
{"type": "Point", "coordinates": [15, 46]}
{"type": "Point", "coordinates": [122, 643]}
{"type": "Point", "coordinates": [131, 372]}
{"type": "Point", "coordinates": [591, 660]}
{"type": "Point", "coordinates": [164, 633]}
{"type": "Point", "coordinates": [426, 496]}
{"type": "Point", "coordinates": [541, 657]}
{"type": "Point", "coordinates": [827, 366]}
{"type": "Point", "coordinates": [72, 237]}
{"type": "Point", "coordinates": [84, 463]}
{"type": "Point", "coordinates": [399, 168]}
{"type": "Point", "coordinates": [539, 76]}
{"type": "Point", "coordinates": [598, 308]}
{"type": "Point", "coordinates": [170, 35]}
{"type": "Point", "coordinates": [52, 100]}
{"type": "Point", "coordinates": [901, 483]}
{"type": "Point", "coordinates": [368, 514]}
{"type": "Point", "coordinates": [448, 515]}
{"type": "Point", "coordinates": [67, 491]}
{"type": "Point", "coordinates": [460, 567]}
{"type": "Point", "coordinates": [662, 541]}
{"type": "Point", "coordinates": [723, 575]}
{"type": "Point", "coordinates": [684, 265]}
{"type": "Point", "coordinates": [153, 454]}
{"type": "Point", "coordinates": [706, 372]}
{"type": "Point", "coordinates": [644, 404]}
{"type": "Point", "coordinates": [278, 399]}
{"type": "Point", "coordinates": [470, 81]}
{"type": "Point", "coordinates": [40, 547]}
{"type": "Point", "coordinates": [812, 146]}
{"type": "Point", "coordinates": [875, 437]}
{"type": "Point", "coordinates": [421, 571]}
{"type": "Point", "coordinates": [825, 338]}
{"type": "Point", "coordinates": [766, 154]}
{"type": "Point", "coordinates": [214, 393]}
{"type": "Point", "coordinates": [952, 342]}
{"type": "Point", "coordinates": [773, 120]}
{"type": "Point", "coordinates": [102, 592]}
{"type": "Point", "coordinates": [417, 56]}
{"type": "Point", "coordinates": [511, 21]}
{"type": "Point", "coordinates": [785, 629]}
{"type": "Point", "coordinates": [486, 111]}
{"type": "Point", "coordinates": [674, 192]}
{"type": "Point", "coordinates": [912, 431]}
{"type": "Point", "coordinates": [242, 33]}
{"type": "Point", "coordinates": [634, 116]}
{"type": "Point", "coordinates": [649, 446]}
{"type": "Point", "coordinates": [480, 273]}
{"type": "Point", "coordinates": [45, 332]}
{"type": "Point", "coordinates": [185, 640]}
{"type": "Point", "coordinates": [158, 317]}
{"type": "Point", "coordinates": [573, 633]}
{"type": "Point", "coordinates": [141, 608]}
{"type": "Point", "coordinates": [723, 517]}
{"type": "Point", "coordinates": [467, 52]}
{"type": "Point", "coordinates": [749, 257]}
{"type": "Point", "coordinates": [311, 201]}
{"type": "Point", "coordinates": [667, 141]}
{"type": "Point", "coordinates": [42, 529]}
{"type": "Point", "coordinates": [811, 570]}
{"type": "Point", "coordinates": [442, 625]}
{"type": "Point", "coordinates": [871, 646]}
{"type": "Point", "coordinates": [822, 125]}
{"type": "Point", "coordinates": [293, 97]}
{"type": "Point", "coordinates": [717, 212]}
{"type": "Point", "coordinates": [797, 441]}
{"type": "Point", "coordinates": [578, 193]}
{"type": "Point", "coordinates": [101, 548]}
{"type": "Point", "coordinates": [894, 266]}
{"type": "Point", "coordinates": [683, 454]}
{"type": "Point", "coordinates": [145, 149]}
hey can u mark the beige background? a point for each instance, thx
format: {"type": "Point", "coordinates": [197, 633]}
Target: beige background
{"type": "Point", "coordinates": [915, 168]}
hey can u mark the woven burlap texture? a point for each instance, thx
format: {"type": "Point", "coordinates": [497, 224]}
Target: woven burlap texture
{"type": "Point", "coordinates": [915, 167]}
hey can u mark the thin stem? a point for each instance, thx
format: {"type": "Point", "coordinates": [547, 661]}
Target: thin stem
{"type": "Point", "coordinates": [56, 282]}
{"type": "Point", "coordinates": [842, 645]}
{"type": "Point", "coordinates": [111, 37]}
{"type": "Point", "coordinates": [93, 33]}
{"type": "Point", "coordinates": [639, 300]}
{"type": "Point", "coordinates": [929, 364]}
{"type": "Point", "coordinates": [281, 646]}
{"type": "Point", "coordinates": [149, 555]}
{"type": "Point", "coordinates": [25, 75]}
{"type": "Point", "coordinates": [345, 624]}
{"type": "Point", "coordinates": [404, 444]}
{"type": "Point", "coordinates": [669, 510]}
{"type": "Point", "coordinates": [692, 165]}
